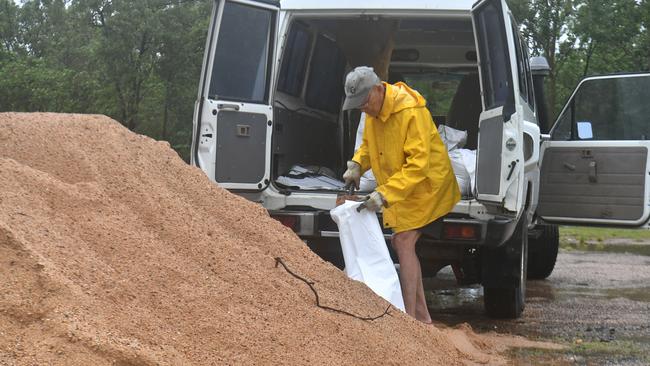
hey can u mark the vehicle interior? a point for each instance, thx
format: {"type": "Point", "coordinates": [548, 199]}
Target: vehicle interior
{"type": "Point", "coordinates": [436, 56]}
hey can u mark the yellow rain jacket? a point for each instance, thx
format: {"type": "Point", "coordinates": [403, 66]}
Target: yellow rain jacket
{"type": "Point", "coordinates": [409, 160]}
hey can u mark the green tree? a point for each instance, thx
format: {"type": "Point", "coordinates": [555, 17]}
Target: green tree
{"type": "Point", "coordinates": [127, 47]}
{"type": "Point", "coordinates": [136, 61]}
{"type": "Point", "coordinates": [642, 51]}
{"type": "Point", "coordinates": [606, 34]}
{"type": "Point", "coordinates": [42, 26]}
{"type": "Point", "coordinates": [547, 25]}
{"type": "Point", "coordinates": [8, 28]}
{"type": "Point", "coordinates": [179, 67]}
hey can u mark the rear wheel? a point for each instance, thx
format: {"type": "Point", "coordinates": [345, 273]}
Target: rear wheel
{"type": "Point", "coordinates": [504, 275]}
{"type": "Point", "coordinates": [543, 251]}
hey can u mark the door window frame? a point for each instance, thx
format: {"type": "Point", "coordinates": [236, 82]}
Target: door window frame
{"type": "Point", "coordinates": [486, 63]}
{"type": "Point", "coordinates": [273, 7]}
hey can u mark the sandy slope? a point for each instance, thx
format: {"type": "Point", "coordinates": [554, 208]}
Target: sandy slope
{"type": "Point", "coordinates": [114, 251]}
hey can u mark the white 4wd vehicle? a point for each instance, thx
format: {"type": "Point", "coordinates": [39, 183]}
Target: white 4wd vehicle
{"type": "Point", "coordinates": [268, 126]}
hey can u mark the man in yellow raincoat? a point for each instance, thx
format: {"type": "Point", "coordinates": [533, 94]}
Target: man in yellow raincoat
{"type": "Point", "coordinates": [415, 181]}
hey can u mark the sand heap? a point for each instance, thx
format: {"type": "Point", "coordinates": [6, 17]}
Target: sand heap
{"type": "Point", "coordinates": [114, 251]}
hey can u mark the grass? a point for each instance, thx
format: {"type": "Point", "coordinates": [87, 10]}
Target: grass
{"type": "Point", "coordinates": [587, 352]}
{"type": "Point", "coordinates": [619, 349]}
{"type": "Point", "coordinates": [600, 234]}
{"type": "Point", "coordinates": [600, 240]}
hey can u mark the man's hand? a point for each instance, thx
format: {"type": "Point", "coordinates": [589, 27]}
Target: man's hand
{"type": "Point", "coordinates": [353, 174]}
{"type": "Point", "coordinates": [374, 201]}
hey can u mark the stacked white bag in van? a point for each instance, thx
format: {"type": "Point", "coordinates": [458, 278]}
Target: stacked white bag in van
{"type": "Point", "coordinates": [463, 161]}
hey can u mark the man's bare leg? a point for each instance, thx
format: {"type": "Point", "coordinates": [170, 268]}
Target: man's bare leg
{"type": "Point", "coordinates": [421, 309]}
{"type": "Point", "coordinates": [410, 275]}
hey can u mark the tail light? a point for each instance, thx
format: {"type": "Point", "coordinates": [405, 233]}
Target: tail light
{"type": "Point", "coordinates": [289, 221]}
{"type": "Point", "coordinates": [462, 232]}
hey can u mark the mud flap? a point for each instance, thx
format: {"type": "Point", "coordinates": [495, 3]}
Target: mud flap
{"type": "Point", "coordinates": [504, 274]}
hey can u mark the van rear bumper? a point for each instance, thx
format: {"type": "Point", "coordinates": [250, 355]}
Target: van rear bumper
{"type": "Point", "coordinates": [448, 230]}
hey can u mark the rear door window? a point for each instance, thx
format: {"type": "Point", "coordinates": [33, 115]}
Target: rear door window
{"type": "Point", "coordinates": [241, 60]}
{"type": "Point", "coordinates": [495, 62]}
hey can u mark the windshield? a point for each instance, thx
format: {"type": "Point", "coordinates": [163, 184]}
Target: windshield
{"type": "Point", "coordinates": [437, 88]}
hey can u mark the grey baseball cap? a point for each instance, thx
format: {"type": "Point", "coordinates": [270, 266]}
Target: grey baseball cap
{"type": "Point", "coordinates": [358, 84]}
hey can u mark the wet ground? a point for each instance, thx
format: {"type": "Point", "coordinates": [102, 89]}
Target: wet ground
{"type": "Point", "coordinates": [596, 302]}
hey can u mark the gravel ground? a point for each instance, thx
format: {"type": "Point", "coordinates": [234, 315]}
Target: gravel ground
{"type": "Point", "coordinates": [595, 302]}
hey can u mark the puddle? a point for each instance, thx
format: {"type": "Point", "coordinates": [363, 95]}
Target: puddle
{"type": "Point", "coordinates": [640, 294]}
{"type": "Point", "coordinates": [540, 290]}
{"type": "Point", "coordinates": [455, 298]}
{"type": "Point", "coordinates": [451, 298]}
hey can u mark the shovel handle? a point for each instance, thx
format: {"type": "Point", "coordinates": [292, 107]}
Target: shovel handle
{"type": "Point", "coordinates": [350, 189]}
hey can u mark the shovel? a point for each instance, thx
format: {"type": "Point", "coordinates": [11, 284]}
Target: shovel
{"type": "Point", "coordinates": [348, 195]}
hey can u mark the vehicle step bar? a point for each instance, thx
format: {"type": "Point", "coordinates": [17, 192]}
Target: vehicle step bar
{"type": "Point", "coordinates": [335, 234]}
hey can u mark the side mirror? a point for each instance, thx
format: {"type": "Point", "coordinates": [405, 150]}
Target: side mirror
{"type": "Point", "coordinates": [585, 131]}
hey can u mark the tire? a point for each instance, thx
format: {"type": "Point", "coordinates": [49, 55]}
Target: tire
{"type": "Point", "coordinates": [543, 252]}
{"type": "Point", "coordinates": [504, 291]}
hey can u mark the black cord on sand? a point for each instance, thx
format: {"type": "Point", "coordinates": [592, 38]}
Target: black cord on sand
{"type": "Point", "coordinates": [279, 260]}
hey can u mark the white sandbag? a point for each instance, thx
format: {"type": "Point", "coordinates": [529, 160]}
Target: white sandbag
{"type": "Point", "coordinates": [365, 253]}
{"type": "Point", "coordinates": [452, 138]}
{"type": "Point", "coordinates": [461, 173]}
{"type": "Point", "coordinates": [463, 162]}
{"type": "Point", "coordinates": [469, 160]}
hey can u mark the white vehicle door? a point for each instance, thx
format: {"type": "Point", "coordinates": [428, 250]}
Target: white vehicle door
{"type": "Point", "coordinates": [500, 157]}
{"type": "Point", "coordinates": [594, 168]}
{"type": "Point", "coordinates": [233, 115]}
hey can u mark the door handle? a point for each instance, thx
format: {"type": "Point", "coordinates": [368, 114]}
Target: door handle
{"type": "Point", "coordinates": [592, 172]}
{"type": "Point", "coordinates": [234, 107]}
{"type": "Point", "coordinates": [569, 166]}
{"type": "Point", "coordinates": [512, 169]}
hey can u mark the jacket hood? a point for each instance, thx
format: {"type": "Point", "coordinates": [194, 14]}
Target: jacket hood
{"type": "Point", "coordinates": [400, 96]}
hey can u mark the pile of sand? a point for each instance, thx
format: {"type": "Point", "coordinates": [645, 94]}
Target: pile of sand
{"type": "Point", "coordinates": [114, 251]}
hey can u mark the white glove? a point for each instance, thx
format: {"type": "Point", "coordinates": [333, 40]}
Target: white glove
{"type": "Point", "coordinates": [353, 174]}
{"type": "Point", "coordinates": [374, 201]}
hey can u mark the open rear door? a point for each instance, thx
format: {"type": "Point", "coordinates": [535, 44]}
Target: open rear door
{"type": "Point", "coordinates": [500, 161]}
{"type": "Point", "coordinates": [233, 117]}
{"type": "Point", "coordinates": [594, 168]}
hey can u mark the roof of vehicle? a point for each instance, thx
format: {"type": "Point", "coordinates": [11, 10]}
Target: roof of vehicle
{"type": "Point", "coordinates": [445, 5]}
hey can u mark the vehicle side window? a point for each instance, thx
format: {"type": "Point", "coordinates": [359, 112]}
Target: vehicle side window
{"type": "Point", "coordinates": [495, 65]}
{"type": "Point", "coordinates": [608, 109]}
{"type": "Point", "coordinates": [521, 68]}
{"type": "Point", "coordinates": [294, 60]}
{"type": "Point", "coordinates": [562, 130]}
{"type": "Point", "coordinates": [325, 86]}
{"type": "Point", "coordinates": [241, 61]}
{"type": "Point", "coordinates": [529, 76]}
